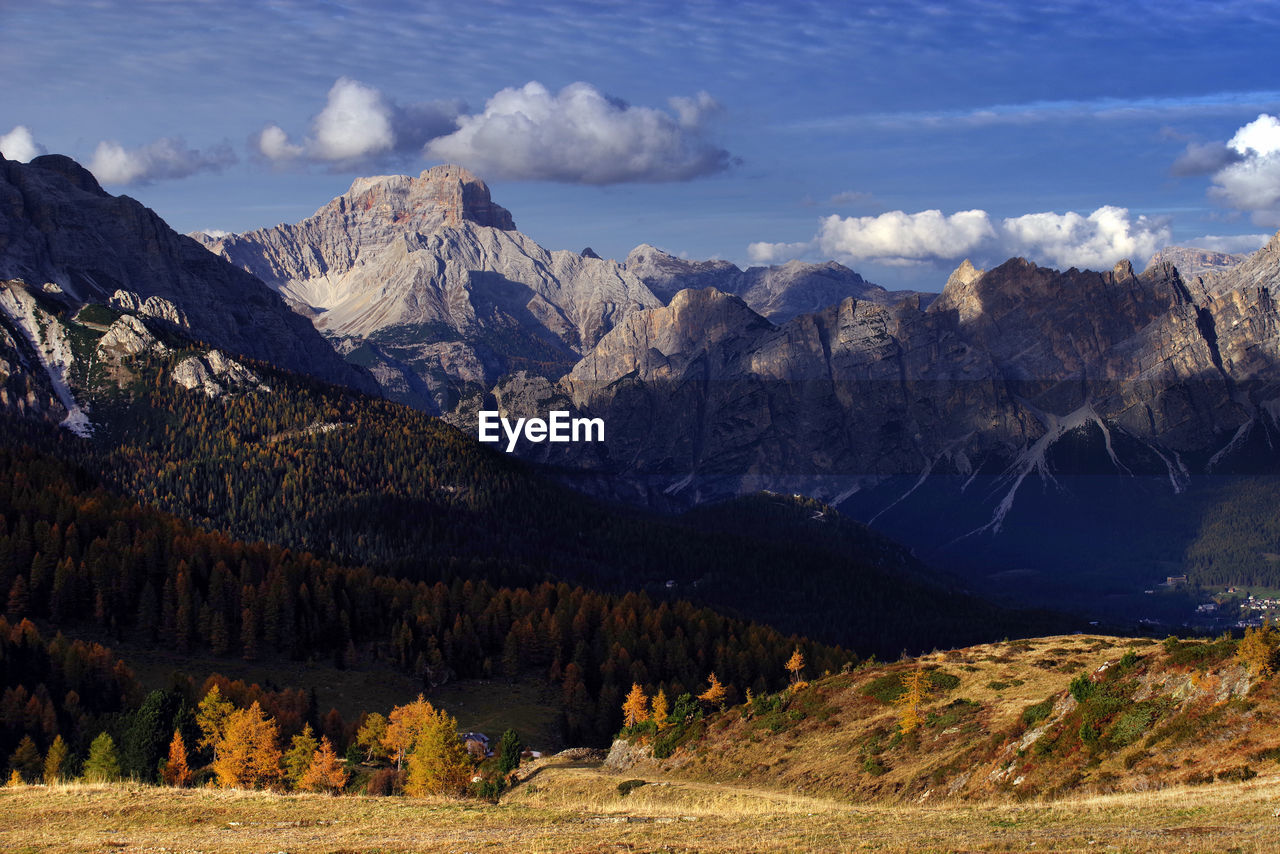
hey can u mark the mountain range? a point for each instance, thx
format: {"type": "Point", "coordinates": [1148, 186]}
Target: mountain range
{"type": "Point", "coordinates": [1020, 406]}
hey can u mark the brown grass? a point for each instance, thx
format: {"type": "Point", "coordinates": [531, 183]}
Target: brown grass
{"type": "Point", "coordinates": [570, 808]}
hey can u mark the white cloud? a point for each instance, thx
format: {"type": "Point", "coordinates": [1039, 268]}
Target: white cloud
{"type": "Point", "coordinates": [581, 136]}
{"type": "Point", "coordinates": [1232, 244]}
{"type": "Point", "coordinates": [898, 237]}
{"type": "Point", "coordinates": [18, 144]}
{"type": "Point", "coordinates": [1252, 182]}
{"type": "Point", "coordinates": [167, 157]}
{"type": "Point", "coordinates": [358, 123]}
{"type": "Point", "coordinates": [1096, 241]}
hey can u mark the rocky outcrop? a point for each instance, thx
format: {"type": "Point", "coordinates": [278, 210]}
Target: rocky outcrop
{"type": "Point", "coordinates": [128, 336]}
{"type": "Point", "coordinates": [157, 307]}
{"type": "Point", "coordinates": [426, 281]}
{"type": "Point", "coordinates": [216, 375]}
{"type": "Point", "coordinates": [57, 225]}
{"type": "Point", "coordinates": [778, 293]}
{"type": "Point", "coordinates": [1192, 262]}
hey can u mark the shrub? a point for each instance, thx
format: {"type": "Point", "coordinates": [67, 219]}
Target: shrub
{"type": "Point", "coordinates": [384, 782]}
{"type": "Point", "coordinates": [626, 787]}
{"type": "Point", "coordinates": [1082, 688]}
{"type": "Point", "coordinates": [1130, 727]}
{"type": "Point", "coordinates": [1032, 715]}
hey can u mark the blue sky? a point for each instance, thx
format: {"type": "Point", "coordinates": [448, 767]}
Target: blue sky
{"type": "Point", "coordinates": [897, 137]}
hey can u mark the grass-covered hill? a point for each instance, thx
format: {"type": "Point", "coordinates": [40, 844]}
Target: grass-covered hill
{"type": "Point", "coordinates": [1044, 718]}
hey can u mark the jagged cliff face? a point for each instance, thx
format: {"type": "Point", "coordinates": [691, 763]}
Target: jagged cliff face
{"type": "Point", "coordinates": [779, 292]}
{"type": "Point", "coordinates": [1012, 378]}
{"type": "Point", "coordinates": [1192, 262]}
{"type": "Point", "coordinates": [427, 281]}
{"type": "Point", "coordinates": [58, 226]}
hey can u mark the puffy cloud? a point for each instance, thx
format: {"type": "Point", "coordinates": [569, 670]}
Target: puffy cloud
{"type": "Point", "coordinates": [1097, 241]}
{"type": "Point", "coordinates": [1251, 181]}
{"type": "Point", "coordinates": [358, 123]}
{"type": "Point", "coordinates": [167, 157]}
{"type": "Point", "coordinates": [18, 144]}
{"type": "Point", "coordinates": [898, 237]}
{"type": "Point", "coordinates": [581, 136]}
{"type": "Point", "coordinates": [1204, 159]}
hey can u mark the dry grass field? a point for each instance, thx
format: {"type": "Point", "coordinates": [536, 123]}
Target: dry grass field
{"type": "Point", "coordinates": [567, 807]}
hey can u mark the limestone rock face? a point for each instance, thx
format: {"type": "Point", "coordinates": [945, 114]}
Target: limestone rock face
{"type": "Point", "coordinates": [426, 281]}
{"type": "Point", "coordinates": [1193, 262]}
{"type": "Point", "coordinates": [153, 306]}
{"type": "Point", "coordinates": [779, 292]}
{"type": "Point", "coordinates": [216, 375]}
{"type": "Point", "coordinates": [57, 225]}
{"type": "Point", "coordinates": [128, 336]}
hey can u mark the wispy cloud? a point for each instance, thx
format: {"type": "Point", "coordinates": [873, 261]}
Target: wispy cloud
{"type": "Point", "coordinates": [166, 158]}
{"type": "Point", "coordinates": [1035, 112]}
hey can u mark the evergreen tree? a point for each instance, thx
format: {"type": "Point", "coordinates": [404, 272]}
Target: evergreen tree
{"type": "Point", "coordinates": [371, 737]}
{"type": "Point", "coordinates": [510, 750]}
{"type": "Point", "coordinates": [103, 764]}
{"type": "Point", "coordinates": [146, 739]}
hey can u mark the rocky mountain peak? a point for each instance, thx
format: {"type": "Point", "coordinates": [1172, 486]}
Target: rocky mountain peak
{"type": "Point", "coordinates": [79, 177]}
{"type": "Point", "coordinates": [441, 197]}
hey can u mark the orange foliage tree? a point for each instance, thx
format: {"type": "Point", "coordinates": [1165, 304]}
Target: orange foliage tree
{"type": "Point", "coordinates": [326, 773]}
{"type": "Point", "coordinates": [249, 753]}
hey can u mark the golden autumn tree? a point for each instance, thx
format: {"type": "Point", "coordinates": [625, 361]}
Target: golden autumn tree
{"type": "Point", "coordinates": [439, 764]}
{"type": "Point", "coordinates": [404, 725]}
{"type": "Point", "coordinates": [1259, 649]}
{"type": "Point", "coordinates": [176, 771]}
{"type": "Point", "coordinates": [635, 709]}
{"type": "Point", "coordinates": [372, 736]}
{"type": "Point", "coordinates": [661, 710]}
{"type": "Point", "coordinates": [795, 665]}
{"type": "Point", "coordinates": [326, 773]}
{"type": "Point", "coordinates": [249, 753]}
{"type": "Point", "coordinates": [55, 761]}
{"type": "Point", "coordinates": [212, 715]}
{"type": "Point", "coordinates": [715, 693]}
{"type": "Point", "coordinates": [297, 759]}
{"type": "Point", "coordinates": [914, 689]}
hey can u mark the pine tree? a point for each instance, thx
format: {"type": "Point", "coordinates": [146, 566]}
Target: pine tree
{"type": "Point", "coordinates": [249, 753]}
{"type": "Point", "coordinates": [325, 773]}
{"type": "Point", "coordinates": [661, 710]}
{"type": "Point", "coordinates": [299, 755]}
{"type": "Point", "coordinates": [103, 764]}
{"type": "Point", "coordinates": [635, 709]}
{"type": "Point", "coordinates": [715, 693]}
{"type": "Point", "coordinates": [439, 764]}
{"type": "Point", "coordinates": [55, 761]}
{"type": "Point", "coordinates": [176, 771]}
{"type": "Point", "coordinates": [509, 752]}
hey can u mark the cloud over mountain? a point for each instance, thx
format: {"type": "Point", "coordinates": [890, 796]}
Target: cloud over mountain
{"type": "Point", "coordinates": [1251, 182]}
{"type": "Point", "coordinates": [358, 123]}
{"type": "Point", "coordinates": [1098, 240]}
{"type": "Point", "coordinates": [166, 158]}
{"type": "Point", "coordinates": [19, 144]}
{"type": "Point", "coordinates": [580, 135]}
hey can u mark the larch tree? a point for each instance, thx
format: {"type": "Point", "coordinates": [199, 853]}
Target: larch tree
{"type": "Point", "coordinates": [176, 771]}
{"type": "Point", "coordinates": [439, 764]}
{"type": "Point", "coordinates": [371, 737]}
{"type": "Point", "coordinates": [404, 726]}
{"type": "Point", "coordinates": [715, 693]}
{"type": "Point", "coordinates": [55, 761]}
{"type": "Point", "coordinates": [211, 716]}
{"type": "Point", "coordinates": [249, 753]}
{"type": "Point", "coordinates": [297, 759]}
{"type": "Point", "coordinates": [326, 772]}
{"type": "Point", "coordinates": [661, 710]}
{"type": "Point", "coordinates": [26, 760]}
{"type": "Point", "coordinates": [103, 764]}
{"type": "Point", "coordinates": [635, 710]}
{"type": "Point", "coordinates": [915, 688]}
